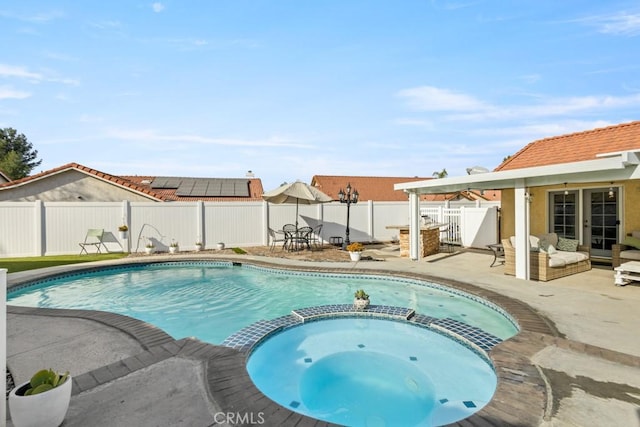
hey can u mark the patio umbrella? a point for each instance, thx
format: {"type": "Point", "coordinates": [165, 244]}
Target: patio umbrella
{"type": "Point", "coordinates": [296, 192]}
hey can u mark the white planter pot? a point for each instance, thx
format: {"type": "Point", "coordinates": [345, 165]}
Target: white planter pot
{"type": "Point", "coordinates": [123, 235]}
{"type": "Point", "coordinates": [220, 246]}
{"type": "Point", "coordinates": [355, 256]}
{"type": "Point", "coordinates": [46, 409]}
{"type": "Point", "coordinates": [173, 249]}
{"type": "Point", "coordinates": [149, 250]}
{"type": "Point", "coordinates": [360, 304]}
{"type": "Point", "coordinates": [198, 248]}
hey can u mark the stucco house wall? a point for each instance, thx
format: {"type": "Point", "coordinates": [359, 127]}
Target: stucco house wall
{"type": "Point", "coordinates": [70, 186]}
{"type": "Point", "coordinates": [539, 207]}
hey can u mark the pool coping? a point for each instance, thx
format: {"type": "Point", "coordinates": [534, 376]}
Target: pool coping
{"type": "Point", "coordinates": [521, 397]}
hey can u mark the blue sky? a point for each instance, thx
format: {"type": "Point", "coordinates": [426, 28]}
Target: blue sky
{"type": "Point", "coordinates": [290, 89]}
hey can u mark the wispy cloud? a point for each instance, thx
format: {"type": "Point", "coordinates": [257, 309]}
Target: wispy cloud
{"type": "Point", "coordinates": [36, 18]}
{"type": "Point", "coordinates": [429, 98]}
{"type": "Point", "coordinates": [179, 141]}
{"type": "Point", "coordinates": [157, 7]}
{"type": "Point", "coordinates": [622, 23]}
{"type": "Point", "coordinates": [19, 72]}
{"type": "Point", "coordinates": [459, 106]}
{"type": "Point", "coordinates": [12, 71]}
{"type": "Point", "coordinates": [7, 92]}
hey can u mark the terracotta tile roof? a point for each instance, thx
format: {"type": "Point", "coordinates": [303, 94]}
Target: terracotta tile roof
{"type": "Point", "coordinates": [380, 188]}
{"type": "Point", "coordinates": [138, 184]}
{"type": "Point", "coordinates": [575, 147]}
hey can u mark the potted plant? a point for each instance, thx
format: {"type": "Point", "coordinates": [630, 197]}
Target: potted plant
{"type": "Point", "coordinates": [360, 300]}
{"type": "Point", "coordinates": [355, 250]}
{"type": "Point", "coordinates": [199, 246]}
{"type": "Point", "coordinates": [150, 248]}
{"type": "Point", "coordinates": [43, 401]}
{"type": "Point", "coordinates": [123, 231]}
{"type": "Point", "coordinates": [220, 246]}
{"type": "Point", "coordinates": [173, 247]}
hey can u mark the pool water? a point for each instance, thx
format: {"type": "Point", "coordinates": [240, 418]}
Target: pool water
{"type": "Point", "coordinates": [211, 301]}
{"type": "Point", "coordinates": [372, 372]}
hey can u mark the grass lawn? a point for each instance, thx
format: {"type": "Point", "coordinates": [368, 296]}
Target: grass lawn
{"type": "Point", "coordinates": [22, 264]}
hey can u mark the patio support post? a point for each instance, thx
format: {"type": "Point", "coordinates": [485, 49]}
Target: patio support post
{"type": "Point", "coordinates": [414, 226]}
{"type": "Point", "coordinates": [521, 204]}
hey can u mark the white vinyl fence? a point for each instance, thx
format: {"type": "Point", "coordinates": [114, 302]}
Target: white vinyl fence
{"type": "Point", "coordinates": [56, 228]}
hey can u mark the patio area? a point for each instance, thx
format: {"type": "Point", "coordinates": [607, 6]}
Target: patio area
{"type": "Point", "coordinates": [586, 351]}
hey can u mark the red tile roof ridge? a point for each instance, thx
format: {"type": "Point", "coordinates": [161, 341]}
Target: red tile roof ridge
{"type": "Point", "coordinates": [568, 137]}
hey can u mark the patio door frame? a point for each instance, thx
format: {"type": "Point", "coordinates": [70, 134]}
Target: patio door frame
{"type": "Point", "coordinates": [597, 199]}
{"type": "Point", "coordinates": [583, 214]}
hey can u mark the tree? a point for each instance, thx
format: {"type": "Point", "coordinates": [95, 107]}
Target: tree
{"type": "Point", "coordinates": [441, 174]}
{"type": "Point", "coordinates": [17, 156]}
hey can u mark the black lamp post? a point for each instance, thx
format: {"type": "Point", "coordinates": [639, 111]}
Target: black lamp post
{"type": "Point", "coordinates": [348, 198]}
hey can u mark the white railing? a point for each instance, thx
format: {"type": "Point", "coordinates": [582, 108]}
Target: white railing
{"type": "Point", "coordinates": [56, 228]}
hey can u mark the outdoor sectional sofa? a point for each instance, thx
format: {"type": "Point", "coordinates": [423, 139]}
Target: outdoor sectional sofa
{"type": "Point", "coordinates": [628, 250]}
{"type": "Point", "coordinates": [545, 266]}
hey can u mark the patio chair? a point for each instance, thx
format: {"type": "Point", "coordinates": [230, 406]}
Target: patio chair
{"type": "Point", "coordinates": [314, 237]}
{"type": "Point", "coordinates": [277, 237]}
{"type": "Point", "coordinates": [302, 237]}
{"type": "Point", "coordinates": [290, 231]}
{"type": "Point", "coordinates": [93, 238]}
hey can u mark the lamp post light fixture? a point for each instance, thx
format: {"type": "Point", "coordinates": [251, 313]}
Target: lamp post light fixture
{"type": "Point", "coordinates": [348, 198]}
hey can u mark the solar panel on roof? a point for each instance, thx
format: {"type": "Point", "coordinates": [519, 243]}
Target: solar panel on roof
{"type": "Point", "coordinates": [211, 187]}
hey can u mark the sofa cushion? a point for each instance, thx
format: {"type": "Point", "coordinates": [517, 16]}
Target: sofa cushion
{"type": "Point", "coordinates": [568, 245]}
{"type": "Point", "coordinates": [632, 241]}
{"type": "Point", "coordinates": [633, 254]}
{"type": "Point", "coordinates": [562, 258]}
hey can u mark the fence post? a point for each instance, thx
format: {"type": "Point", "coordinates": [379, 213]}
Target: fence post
{"type": "Point", "coordinates": [265, 222]}
{"type": "Point", "coordinates": [126, 220]}
{"type": "Point", "coordinates": [3, 340]}
{"type": "Point", "coordinates": [200, 223]}
{"type": "Point", "coordinates": [40, 226]}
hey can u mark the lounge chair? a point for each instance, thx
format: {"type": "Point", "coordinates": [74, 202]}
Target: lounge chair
{"type": "Point", "coordinates": [93, 238]}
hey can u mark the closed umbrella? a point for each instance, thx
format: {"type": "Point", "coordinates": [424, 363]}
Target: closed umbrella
{"type": "Point", "coordinates": [296, 192]}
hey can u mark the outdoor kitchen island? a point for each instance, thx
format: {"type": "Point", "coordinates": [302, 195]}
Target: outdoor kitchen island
{"type": "Point", "coordinates": [429, 239]}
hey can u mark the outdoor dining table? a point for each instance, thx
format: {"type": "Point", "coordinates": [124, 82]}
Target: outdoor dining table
{"type": "Point", "coordinates": [296, 239]}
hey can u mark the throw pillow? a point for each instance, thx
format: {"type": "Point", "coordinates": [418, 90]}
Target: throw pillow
{"type": "Point", "coordinates": [544, 245]}
{"type": "Point", "coordinates": [631, 241]}
{"type": "Point", "coordinates": [567, 245]}
{"type": "Point", "coordinates": [551, 250]}
{"type": "Point", "coordinates": [534, 242]}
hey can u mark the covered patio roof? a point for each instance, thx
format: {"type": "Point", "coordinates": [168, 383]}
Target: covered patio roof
{"type": "Point", "coordinates": [608, 167]}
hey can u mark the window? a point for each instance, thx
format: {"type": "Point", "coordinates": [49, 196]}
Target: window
{"type": "Point", "coordinates": [564, 214]}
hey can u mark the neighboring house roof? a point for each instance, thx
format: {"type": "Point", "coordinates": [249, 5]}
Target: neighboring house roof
{"type": "Point", "coordinates": [252, 188]}
{"type": "Point", "coordinates": [380, 188]}
{"type": "Point", "coordinates": [138, 184]}
{"type": "Point", "coordinates": [4, 177]}
{"type": "Point", "coordinates": [575, 147]}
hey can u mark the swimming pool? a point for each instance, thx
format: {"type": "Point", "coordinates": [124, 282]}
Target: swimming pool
{"type": "Point", "coordinates": [212, 300]}
{"type": "Point", "coordinates": [372, 372]}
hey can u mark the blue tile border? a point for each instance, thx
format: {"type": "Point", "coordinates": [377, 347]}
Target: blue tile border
{"type": "Point", "coordinates": [475, 339]}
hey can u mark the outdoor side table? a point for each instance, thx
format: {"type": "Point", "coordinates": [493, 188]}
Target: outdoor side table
{"type": "Point", "coordinates": [335, 240]}
{"type": "Point", "coordinates": [627, 272]}
{"type": "Point", "coordinates": [498, 253]}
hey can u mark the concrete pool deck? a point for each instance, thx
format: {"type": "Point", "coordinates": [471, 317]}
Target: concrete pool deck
{"type": "Point", "coordinates": [576, 365]}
